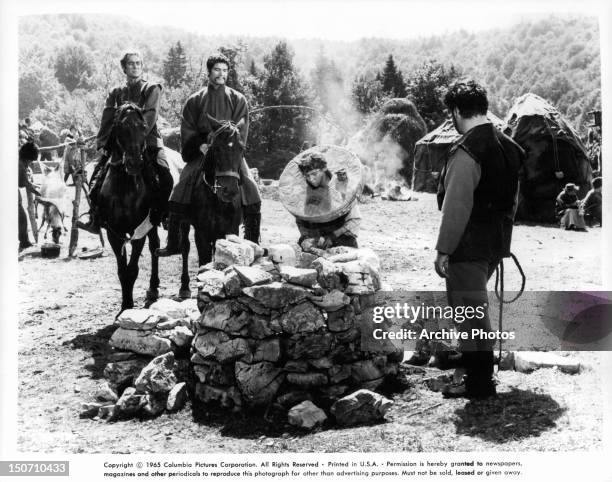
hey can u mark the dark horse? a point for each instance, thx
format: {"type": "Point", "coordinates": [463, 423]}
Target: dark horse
{"type": "Point", "coordinates": [216, 208]}
{"type": "Point", "coordinates": [126, 199]}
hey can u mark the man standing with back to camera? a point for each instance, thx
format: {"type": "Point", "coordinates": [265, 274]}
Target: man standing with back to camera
{"type": "Point", "coordinates": [477, 195]}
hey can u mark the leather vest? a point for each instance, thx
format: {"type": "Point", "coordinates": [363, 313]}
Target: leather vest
{"type": "Point", "coordinates": [489, 229]}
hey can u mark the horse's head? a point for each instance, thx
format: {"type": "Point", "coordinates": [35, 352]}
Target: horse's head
{"type": "Point", "coordinates": [225, 155]}
{"type": "Point", "coordinates": [128, 135]}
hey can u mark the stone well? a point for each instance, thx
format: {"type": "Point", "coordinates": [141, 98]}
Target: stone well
{"type": "Point", "coordinates": [277, 330]}
{"type": "Point", "coordinates": [285, 328]}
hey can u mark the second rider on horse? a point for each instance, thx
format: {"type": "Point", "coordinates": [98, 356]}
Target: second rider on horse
{"type": "Point", "coordinates": [147, 96]}
{"type": "Point", "coordinates": [224, 104]}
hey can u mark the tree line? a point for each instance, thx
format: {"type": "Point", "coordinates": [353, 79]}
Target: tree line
{"type": "Point", "coordinates": [68, 63]}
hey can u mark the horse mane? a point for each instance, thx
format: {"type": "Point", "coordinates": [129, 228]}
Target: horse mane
{"type": "Point", "coordinates": [124, 109]}
{"type": "Point", "coordinates": [209, 167]}
{"type": "Point", "coordinates": [209, 161]}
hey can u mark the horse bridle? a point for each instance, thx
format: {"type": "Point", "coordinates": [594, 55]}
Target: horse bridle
{"type": "Point", "coordinates": [124, 108]}
{"type": "Point", "coordinates": [213, 135]}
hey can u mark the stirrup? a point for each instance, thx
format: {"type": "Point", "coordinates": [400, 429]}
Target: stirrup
{"type": "Point", "coordinates": [89, 227]}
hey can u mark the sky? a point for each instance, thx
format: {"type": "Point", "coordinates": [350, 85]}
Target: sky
{"type": "Point", "coordinates": [332, 19]}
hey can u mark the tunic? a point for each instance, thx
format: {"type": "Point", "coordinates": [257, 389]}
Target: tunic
{"type": "Point", "coordinates": [144, 94]}
{"type": "Point", "coordinates": [222, 103]}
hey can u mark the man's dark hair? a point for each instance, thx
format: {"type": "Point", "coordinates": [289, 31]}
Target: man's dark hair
{"type": "Point", "coordinates": [217, 58]}
{"type": "Point", "coordinates": [127, 54]}
{"type": "Point", "coordinates": [28, 152]}
{"type": "Point", "coordinates": [313, 161]}
{"type": "Point", "coordinates": [596, 182]}
{"type": "Point", "coordinates": [467, 96]}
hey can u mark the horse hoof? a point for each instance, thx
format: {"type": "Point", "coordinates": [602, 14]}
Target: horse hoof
{"type": "Point", "coordinates": [184, 294]}
{"type": "Point", "coordinates": [151, 297]}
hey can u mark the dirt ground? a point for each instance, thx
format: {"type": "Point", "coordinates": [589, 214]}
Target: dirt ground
{"type": "Point", "coordinates": [67, 308]}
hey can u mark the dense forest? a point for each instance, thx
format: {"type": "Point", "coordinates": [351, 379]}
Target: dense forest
{"type": "Point", "coordinates": [67, 64]}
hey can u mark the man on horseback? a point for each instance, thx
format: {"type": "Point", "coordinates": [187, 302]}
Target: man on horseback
{"type": "Point", "coordinates": [224, 104]}
{"type": "Point", "coordinates": [146, 95]}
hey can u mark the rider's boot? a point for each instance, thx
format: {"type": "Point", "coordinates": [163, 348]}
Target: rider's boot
{"type": "Point", "coordinates": [93, 225]}
{"type": "Point", "coordinates": [97, 177]}
{"type": "Point", "coordinates": [174, 242]}
{"type": "Point", "coordinates": [160, 205]}
{"type": "Point", "coordinates": [252, 221]}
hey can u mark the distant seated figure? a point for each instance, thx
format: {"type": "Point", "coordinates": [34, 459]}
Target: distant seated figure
{"type": "Point", "coordinates": [591, 204]}
{"type": "Point", "coordinates": [341, 231]}
{"type": "Point", "coordinates": [567, 206]}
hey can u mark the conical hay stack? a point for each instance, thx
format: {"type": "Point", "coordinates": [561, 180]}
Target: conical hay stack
{"type": "Point", "coordinates": [324, 203]}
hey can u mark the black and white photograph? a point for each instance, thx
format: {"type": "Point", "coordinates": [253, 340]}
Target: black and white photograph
{"type": "Point", "coordinates": [321, 239]}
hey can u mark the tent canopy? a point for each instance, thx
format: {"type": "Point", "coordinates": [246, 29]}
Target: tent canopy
{"type": "Point", "coordinates": [555, 156]}
{"type": "Point", "coordinates": [446, 133]}
{"type": "Point", "coordinates": [533, 117]}
{"type": "Point", "coordinates": [431, 151]}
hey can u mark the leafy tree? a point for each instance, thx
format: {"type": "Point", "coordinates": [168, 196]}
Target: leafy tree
{"type": "Point", "coordinates": [543, 49]}
{"type": "Point", "coordinates": [253, 69]}
{"type": "Point", "coordinates": [37, 84]}
{"type": "Point", "coordinates": [392, 79]}
{"type": "Point", "coordinates": [366, 94]}
{"type": "Point", "coordinates": [327, 83]}
{"type": "Point", "coordinates": [173, 101]}
{"type": "Point", "coordinates": [558, 88]}
{"type": "Point", "coordinates": [175, 66]}
{"type": "Point", "coordinates": [283, 85]}
{"type": "Point", "coordinates": [426, 88]}
{"type": "Point", "coordinates": [175, 97]}
{"type": "Point", "coordinates": [234, 53]}
{"type": "Point", "coordinates": [82, 108]}
{"type": "Point", "coordinates": [509, 65]}
{"type": "Point", "coordinates": [74, 66]}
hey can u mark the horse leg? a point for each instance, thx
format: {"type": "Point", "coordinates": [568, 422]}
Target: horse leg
{"type": "Point", "coordinates": [153, 292]}
{"type": "Point", "coordinates": [132, 269]}
{"type": "Point", "coordinates": [185, 292]}
{"type": "Point", "coordinates": [47, 218]}
{"type": "Point", "coordinates": [204, 246]}
{"type": "Point", "coordinates": [117, 245]}
{"type": "Point", "coordinates": [42, 224]}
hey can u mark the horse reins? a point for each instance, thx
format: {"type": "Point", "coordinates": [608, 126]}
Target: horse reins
{"type": "Point", "coordinates": [499, 285]}
{"type": "Point", "coordinates": [119, 112]}
{"type": "Point", "coordinates": [213, 135]}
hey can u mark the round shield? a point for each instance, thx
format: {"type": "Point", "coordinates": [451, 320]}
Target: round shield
{"type": "Point", "coordinates": [332, 198]}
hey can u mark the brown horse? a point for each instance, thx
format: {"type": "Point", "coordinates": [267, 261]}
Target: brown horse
{"type": "Point", "coordinates": [125, 201]}
{"type": "Point", "coordinates": [216, 208]}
